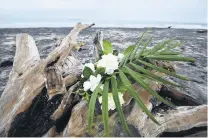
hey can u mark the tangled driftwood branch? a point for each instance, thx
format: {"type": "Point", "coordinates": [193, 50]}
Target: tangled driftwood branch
{"type": "Point", "coordinates": [38, 98]}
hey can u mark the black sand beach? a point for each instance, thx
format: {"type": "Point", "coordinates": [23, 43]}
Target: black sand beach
{"type": "Point", "coordinates": [195, 45]}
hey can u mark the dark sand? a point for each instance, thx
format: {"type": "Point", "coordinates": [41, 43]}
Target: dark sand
{"type": "Point", "coordinates": [195, 45]}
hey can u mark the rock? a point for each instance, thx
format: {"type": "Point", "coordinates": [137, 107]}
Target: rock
{"type": "Point", "coordinates": [201, 31]}
{"type": "Point", "coordinates": [6, 63]}
{"type": "Point", "coordinates": [26, 109]}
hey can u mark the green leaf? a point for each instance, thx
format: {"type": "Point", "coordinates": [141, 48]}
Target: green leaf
{"type": "Point", "coordinates": [105, 107]}
{"type": "Point", "coordinates": [124, 61]}
{"type": "Point", "coordinates": [158, 47]}
{"type": "Point", "coordinates": [144, 47]}
{"type": "Point", "coordinates": [87, 97]}
{"type": "Point", "coordinates": [128, 85]}
{"type": "Point", "coordinates": [100, 71]}
{"type": "Point", "coordinates": [129, 50]}
{"type": "Point", "coordinates": [137, 47]}
{"type": "Point", "coordinates": [171, 58]}
{"type": "Point", "coordinates": [172, 46]}
{"type": "Point", "coordinates": [121, 87]}
{"type": "Point", "coordinates": [118, 105]}
{"type": "Point", "coordinates": [92, 108]}
{"type": "Point", "coordinates": [107, 47]}
{"type": "Point", "coordinates": [169, 53]}
{"type": "Point", "coordinates": [81, 92]}
{"type": "Point", "coordinates": [137, 78]}
{"type": "Point", "coordinates": [162, 70]}
{"type": "Point", "coordinates": [87, 72]}
{"type": "Point", "coordinates": [139, 68]}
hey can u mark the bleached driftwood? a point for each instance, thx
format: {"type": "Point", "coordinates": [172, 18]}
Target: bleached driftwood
{"type": "Point", "coordinates": [180, 119]}
{"type": "Point", "coordinates": [27, 77]}
{"type": "Point", "coordinates": [20, 88]}
{"type": "Point", "coordinates": [172, 120]}
{"type": "Point", "coordinates": [67, 115]}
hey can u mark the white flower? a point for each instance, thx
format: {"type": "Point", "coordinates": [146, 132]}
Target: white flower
{"type": "Point", "coordinates": [109, 71]}
{"type": "Point", "coordinates": [91, 66]}
{"type": "Point", "coordinates": [120, 57]}
{"type": "Point", "coordinates": [109, 62]}
{"type": "Point", "coordinates": [111, 104]}
{"type": "Point", "coordinates": [86, 85]}
{"type": "Point", "coordinates": [92, 83]}
{"type": "Point", "coordinates": [101, 86]}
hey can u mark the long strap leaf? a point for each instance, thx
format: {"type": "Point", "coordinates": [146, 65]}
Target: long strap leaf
{"type": "Point", "coordinates": [171, 58]}
{"type": "Point", "coordinates": [137, 78]}
{"type": "Point", "coordinates": [169, 53]}
{"type": "Point", "coordinates": [125, 59]}
{"type": "Point", "coordinates": [144, 47]}
{"type": "Point", "coordinates": [105, 107]}
{"type": "Point", "coordinates": [158, 47]}
{"type": "Point", "coordinates": [162, 70]}
{"type": "Point", "coordinates": [139, 68]}
{"type": "Point", "coordinates": [128, 85]}
{"type": "Point", "coordinates": [118, 105]}
{"type": "Point", "coordinates": [92, 108]}
{"type": "Point", "coordinates": [137, 46]}
{"type": "Point", "coordinates": [172, 47]}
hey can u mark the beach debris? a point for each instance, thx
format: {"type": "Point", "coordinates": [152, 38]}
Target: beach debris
{"type": "Point", "coordinates": [26, 110]}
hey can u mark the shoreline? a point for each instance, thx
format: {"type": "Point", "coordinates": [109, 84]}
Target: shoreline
{"type": "Point", "coordinates": [136, 26]}
{"type": "Point", "coordinates": [203, 29]}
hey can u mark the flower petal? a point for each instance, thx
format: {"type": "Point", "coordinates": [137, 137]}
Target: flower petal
{"type": "Point", "coordinates": [91, 66]}
{"type": "Point", "coordinates": [86, 85]}
{"type": "Point", "coordinates": [120, 57]}
{"type": "Point", "coordinates": [94, 81]}
{"type": "Point", "coordinates": [109, 71]}
{"type": "Point", "coordinates": [100, 100]}
{"type": "Point", "coordinates": [109, 62]}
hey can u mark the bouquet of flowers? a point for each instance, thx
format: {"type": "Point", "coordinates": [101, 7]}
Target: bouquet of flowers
{"type": "Point", "coordinates": [113, 74]}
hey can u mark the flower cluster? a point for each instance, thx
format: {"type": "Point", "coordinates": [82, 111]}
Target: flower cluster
{"type": "Point", "coordinates": [92, 83]}
{"type": "Point", "coordinates": [109, 63]}
{"type": "Point", "coordinates": [111, 104]}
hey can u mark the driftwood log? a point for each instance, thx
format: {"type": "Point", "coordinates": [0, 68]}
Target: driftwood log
{"type": "Point", "coordinates": [39, 101]}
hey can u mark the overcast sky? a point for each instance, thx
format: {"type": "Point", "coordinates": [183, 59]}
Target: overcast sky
{"type": "Point", "coordinates": [27, 12]}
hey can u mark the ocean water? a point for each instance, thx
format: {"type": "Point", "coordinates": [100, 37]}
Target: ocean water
{"type": "Point", "coordinates": [195, 45]}
{"type": "Point", "coordinates": [103, 23]}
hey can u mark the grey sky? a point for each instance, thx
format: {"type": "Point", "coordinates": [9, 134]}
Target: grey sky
{"type": "Point", "coordinates": [25, 12]}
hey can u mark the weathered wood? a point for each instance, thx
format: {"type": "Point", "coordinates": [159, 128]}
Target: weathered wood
{"type": "Point", "coordinates": [66, 103]}
{"type": "Point", "coordinates": [25, 82]}
{"type": "Point", "coordinates": [67, 44]}
{"type": "Point", "coordinates": [51, 132]}
{"type": "Point", "coordinates": [60, 73]}
{"type": "Point", "coordinates": [14, 96]}
{"type": "Point", "coordinates": [77, 125]}
{"type": "Point", "coordinates": [54, 81]}
{"type": "Point", "coordinates": [179, 119]}
{"type": "Point", "coordinates": [178, 97]}
{"type": "Point", "coordinates": [71, 66]}
{"type": "Point", "coordinates": [26, 56]}
{"type": "Point", "coordinates": [172, 120]}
